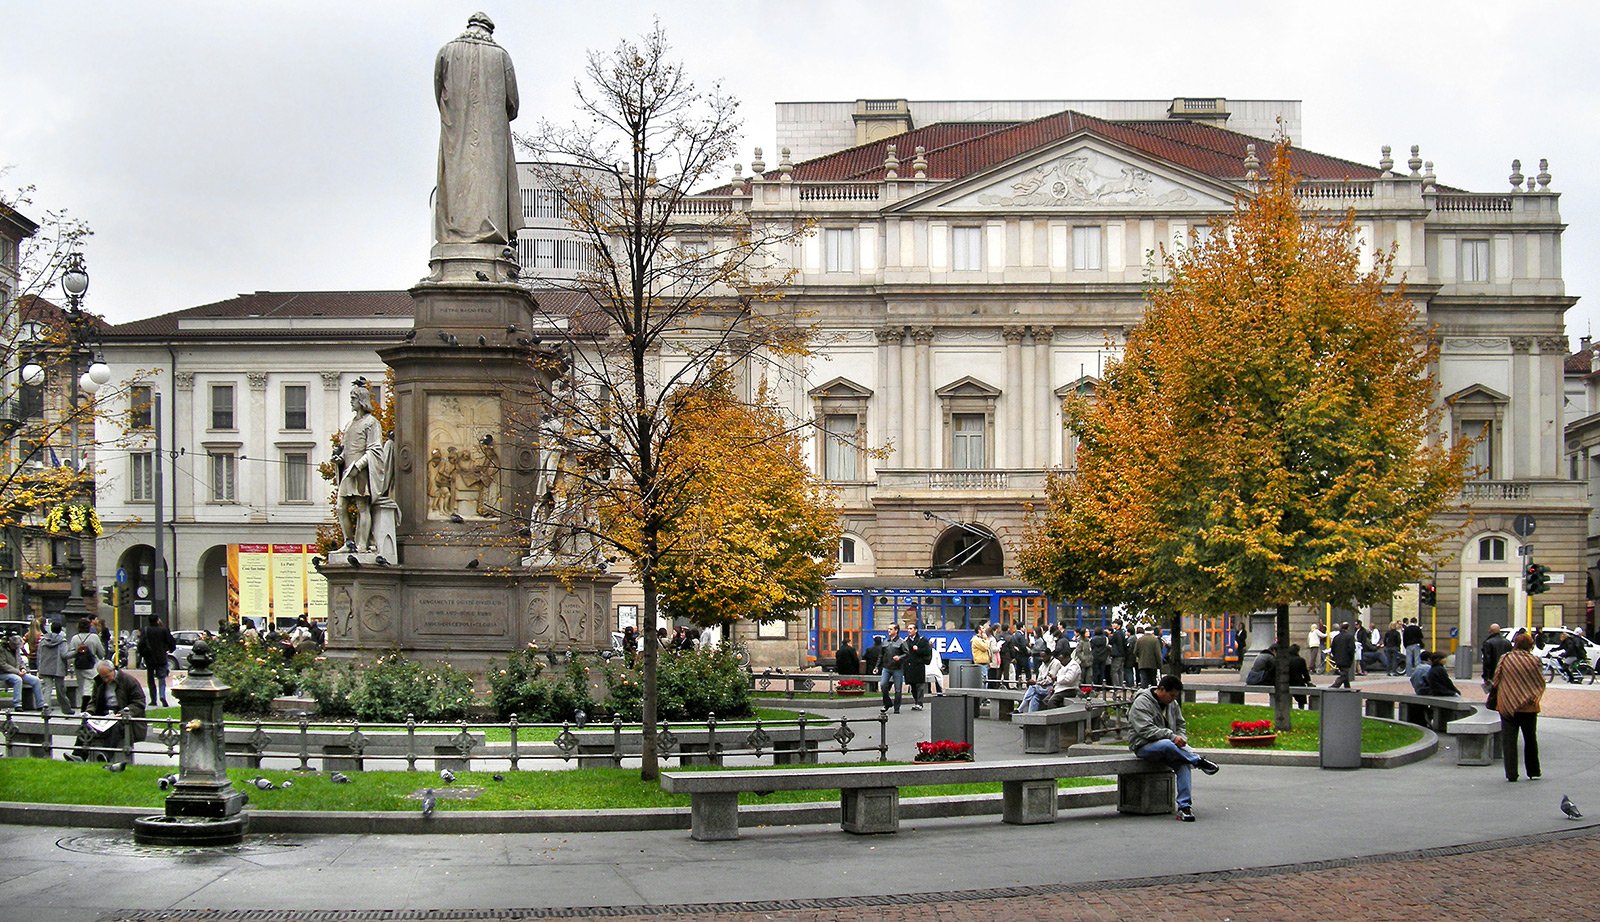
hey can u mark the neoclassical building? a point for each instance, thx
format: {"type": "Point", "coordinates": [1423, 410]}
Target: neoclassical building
{"type": "Point", "coordinates": [972, 265]}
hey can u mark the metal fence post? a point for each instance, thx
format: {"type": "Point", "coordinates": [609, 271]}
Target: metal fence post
{"type": "Point", "coordinates": [616, 741]}
{"type": "Point", "coordinates": [305, 745]}
{"type": "Point", "coordinates": [411, 742]}
{"type": "Point", "coordinates": [514, 754]}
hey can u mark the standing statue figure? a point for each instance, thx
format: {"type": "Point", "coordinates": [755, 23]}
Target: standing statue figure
{"type": "Point", "coordinates": [477, 201]}
{"type": "Point", "coordinates": [366, 475]}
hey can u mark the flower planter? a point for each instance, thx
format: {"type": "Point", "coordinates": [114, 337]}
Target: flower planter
{"type": "Point", "coordinates": [850, 692]}
{"type": "Point", "coordinates": [1257, 741]}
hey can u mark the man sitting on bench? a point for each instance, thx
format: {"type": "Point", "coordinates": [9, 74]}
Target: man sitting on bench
{"type": "Point", "coordinates": [115, 691]}
{"type": "Point", "coordinates": [1157, 733]}
{"type": "Point", "coordinates": [1040, 691]}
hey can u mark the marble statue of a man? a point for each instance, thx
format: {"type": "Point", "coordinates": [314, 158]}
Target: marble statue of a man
{"type": "Point", "coordinates": [477, 199]}
{"type": "Point", "coordinates": [366, 472]}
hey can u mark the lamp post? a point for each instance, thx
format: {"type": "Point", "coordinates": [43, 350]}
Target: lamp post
{"type": "Point", "coordinates": [75, 283]}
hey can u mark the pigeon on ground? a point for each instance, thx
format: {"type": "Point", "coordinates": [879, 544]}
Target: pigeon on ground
{"type": "Point", "coordinates": [447, 776]}
{"type": "Point", "coordinates": [499, 777]}
{"type": "Point", "coordinates": [1570, 808]}
{"type": "Point", "coordinates": [263, 784]}
{"type": "Point", "coordinates": [287, 785]}
{"type": "Point", "coordinates": [339, 778]}
{"type": "Point", "coordinates": [116, 766]}
{"type": "Point", "coordinates": [427, 802]}
{"type": "Point", "coordinates": [167, 781]}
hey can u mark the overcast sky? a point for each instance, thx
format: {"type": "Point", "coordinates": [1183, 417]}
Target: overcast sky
{"type": "Point", "coordinates": [226, 147]}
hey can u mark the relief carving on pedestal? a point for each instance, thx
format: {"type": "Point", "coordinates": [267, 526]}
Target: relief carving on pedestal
{"type": "Point", "coordinates": [376, 615]}
{"type": "Point", "coordinates": [538, 614]}
{"type": "Point", "coordinates": [463, 456]}
{"type": "Point", "coordinates": [343, 609]}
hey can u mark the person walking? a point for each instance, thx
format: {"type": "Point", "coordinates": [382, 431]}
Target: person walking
{"type": "Point", "coordinates": [1392, 661]}
{"type": "Point", "coordinates": [981, 653]}
{"type": "Point", "coordinates": [1412, 635]}
{"type": "Point", "coordinates": [84, 649]}
{"type": "Point", "coordinates": [156, 645]}
{"type": "Point", "coordinates": [1158, 733]}
{"type": "Point", "coordinates": [1343, 649]}
{"type": "Point", "coordinates": [53, 665]}
{"type": "Point", "coordinates": [1146, 655]}
{"type": "Point", "coordinates": [1515, 692]}
{"type": "Point", "coordinates": [891, 666]}
{"type": "Point", "coordinates": [1495, 646]}
{"type": "Point", "coordinates": [919, 654]}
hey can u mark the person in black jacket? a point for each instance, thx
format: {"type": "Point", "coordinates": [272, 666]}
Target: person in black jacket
{"type": "Point", "coordinates": [846, 661]}
{"type": "Point", "coordinates": [156, 645]}
{"type": "Point", "coordinates": [1100, 656]}
{"type": "Point", "coordinates": [1118, 641]}
{"type": "Point", "coordinates": [1412, 635]}
{"type": "Point", "coordinates": [115, 692]}
{"type": "Point", "coordinates": [1343, 650]}
{"type": "Point", "coordinates": [1494, 646]}
{"type": "Point", "coordinates": [919, 655]}
{"type": "Point", "coordinates": [1437, 683]}
{"type": "Point", "coordinates": [1299, 673]}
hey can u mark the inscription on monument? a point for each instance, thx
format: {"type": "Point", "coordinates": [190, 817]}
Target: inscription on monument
{"type": "Point", "coordinates": [455, 615]}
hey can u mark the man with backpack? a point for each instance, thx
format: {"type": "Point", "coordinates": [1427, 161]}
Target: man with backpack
{"type": "Point", "coordinates": [84, 649]}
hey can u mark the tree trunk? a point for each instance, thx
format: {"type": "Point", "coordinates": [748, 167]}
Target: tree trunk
{"type": "Point", "coordinates": [1282, 705]}
{"type": "Point", "coordinates": [649, 765]}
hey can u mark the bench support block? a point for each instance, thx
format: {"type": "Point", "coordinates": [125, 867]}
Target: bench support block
{"type": "Point", "coordinates": [714, 817]}
{"type": "Point", "coordinates": [1147, 793]}
{"type": "Point", "coordinates": [1029, 802]}
{"type": "Point", "coordinates": [870, 811]}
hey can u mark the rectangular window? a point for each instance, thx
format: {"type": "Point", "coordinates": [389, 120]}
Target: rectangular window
{"type": "Point", "coordinates": [544, 254]}
{"type": "Point", "coordinates": [294, 407]}
{"type": "Point", "coordinates": [296, 477]}
{"type": "Point", "coordinates": [141, 477]}
{"type": "Point", "coordinates": [839, 456]}
{"type": "Point", "coordinates": [966, 248]}
{"type": "Point", "coordinates": [141, 403]}
{"type": "Point", "coordinates": [224, 470]}
{"type": "Point", "coordinates": [222, 406]}
{"type": "Point", "coordinates": [1480, 462]}
{"type": "Point", "coordinates": [1474, 260]}
{"type": "Point", "coordinates": [546, 204]}
{"type": "Point", "coordinates": [839, 245]}
{"type": "Point", "coordinates": [1086, 248]}
{"type": "Point", "coordinates": [967, 446]}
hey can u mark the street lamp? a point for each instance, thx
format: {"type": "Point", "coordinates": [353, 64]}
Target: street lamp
{"type": "Point", "coordinates": [75, 283]}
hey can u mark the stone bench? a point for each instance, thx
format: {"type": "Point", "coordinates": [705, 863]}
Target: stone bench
{"type": "Point", "coordinates": [1054, 729]}
{"type": "Point", "coordinates": [1477, 738]}
{"type": "Point", "coordinates": [1002, 702]}
{"type": "Point", "coordinates": [869, 796]}
{"type": "Point", "coordinates": [1428, 711]}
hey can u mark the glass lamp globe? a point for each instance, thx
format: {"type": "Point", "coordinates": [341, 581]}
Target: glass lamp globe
{"type": "Point", "coordinates": [32, 374]}
{"type": "Point", "coordinates": [99, 373]}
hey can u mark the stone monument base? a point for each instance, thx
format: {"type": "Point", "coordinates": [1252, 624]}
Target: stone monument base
{"type": "Point", "coordinates": [467, 618]}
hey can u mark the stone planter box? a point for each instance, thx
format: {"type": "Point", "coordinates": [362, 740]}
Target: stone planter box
{"type": "Point", "coordinates": [1256, 742]}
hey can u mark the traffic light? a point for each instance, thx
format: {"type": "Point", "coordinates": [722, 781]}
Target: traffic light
{"type": "Point", "coordinates": [105, 593]}
{"type": "Point", "coordinates": [1430, 595]}
{"type": "Point", "coordinates": [1538, 579]}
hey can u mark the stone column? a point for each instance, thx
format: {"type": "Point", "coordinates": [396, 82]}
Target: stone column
{"type": "Point", "coordinates": [889, 387]}
{"type": "Point", "coordinates": [908, 403]}
{"type": "Point", "coordinates": [254, 491]}
{"type": "Point", "coordinates": [1043, 395]}
{"type": "Point", "coordinates": [183, 411]}
{"type": "Point", "coordinates": [1019, 436]}
{"type": "Point", "coordinates": [927, 457]}
{"type": "Point", "coordinates": [1522, 416]}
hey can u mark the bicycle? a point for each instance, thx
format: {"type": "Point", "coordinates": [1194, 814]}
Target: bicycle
{"type": "Point", "coordinates": [1573, 673]}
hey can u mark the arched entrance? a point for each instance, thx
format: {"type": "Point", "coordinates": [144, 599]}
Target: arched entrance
{"type": "Point", "coordinates": [967, 549]}
{"type": "Point", "coordinates": [135, 598]}
{"type": "Point", "coordinates": [213, 579]}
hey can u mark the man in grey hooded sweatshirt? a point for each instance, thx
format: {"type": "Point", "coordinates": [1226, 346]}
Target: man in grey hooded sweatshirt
{"type": "Point", "coordinates": [1157, 733]}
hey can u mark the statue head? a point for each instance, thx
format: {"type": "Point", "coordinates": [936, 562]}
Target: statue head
{"type": "Point", "coordinates": [360, 397]}
{"type": "Point", "coordinates": [482, 21]}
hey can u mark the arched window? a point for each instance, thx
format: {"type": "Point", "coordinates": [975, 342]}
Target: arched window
{"type": "Point", "coordinates": [847, 550]}
{"type": "Point", "coordinates": [1492, 549]}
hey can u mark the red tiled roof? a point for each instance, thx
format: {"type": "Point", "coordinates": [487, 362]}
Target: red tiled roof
{"type": "Point", "coordinates": [957, 149]}
{"type": "Point", "coordinates": [1580, 362]}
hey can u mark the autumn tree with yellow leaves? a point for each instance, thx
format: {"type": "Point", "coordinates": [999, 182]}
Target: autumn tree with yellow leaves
{"type": "Point", "coordinates": [665, 458]}
{"type": "Point", "coordinates": [1270, 435]}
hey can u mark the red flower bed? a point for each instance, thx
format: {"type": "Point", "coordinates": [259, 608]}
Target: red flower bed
{"type": "Point", "coordinates": [851, 685]}
{"type": "Point", "coordinates": [1250, 728]}
{"type": "Point", "coordinates": [944, 751]}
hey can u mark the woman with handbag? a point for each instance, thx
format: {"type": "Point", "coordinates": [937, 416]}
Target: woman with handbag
{"type": "Point", "coordinates": [1515, 691]}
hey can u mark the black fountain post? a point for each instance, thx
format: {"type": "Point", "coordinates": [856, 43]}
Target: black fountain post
{"type": "Point", "coordinates": [203, 808]}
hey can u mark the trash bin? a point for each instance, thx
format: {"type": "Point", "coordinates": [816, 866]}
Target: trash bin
{"type": "Point", "coordinates": [1340, 740]}
{"type": "Point", "coordinates": [1464, 662]}
{"type": "Point", "coordinates": [968, 675]}
{"type": "Point", "coordinates": [950, 718]}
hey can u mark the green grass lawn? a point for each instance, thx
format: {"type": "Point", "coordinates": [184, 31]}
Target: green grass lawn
{"type": "Point", "coordinates": [41, 781]}
{"type": "Point", "coordinates": [1208, 729]}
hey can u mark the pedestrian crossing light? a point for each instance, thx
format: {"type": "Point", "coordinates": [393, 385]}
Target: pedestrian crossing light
{"type": "Point", "coordinates": [1538, 579]}
{"type": "Point", "coordinates": [1430, 595]}
{"type": "Point", "coordinates": [105, 593]}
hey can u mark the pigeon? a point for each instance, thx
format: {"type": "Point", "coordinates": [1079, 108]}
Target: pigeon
{"type": "Point", "coordinates": [427, 802]}
{"type": "Point", "coordinates": [116, 766]}
{"type": "Point", "coordinates": [511, 328]}
{"type": "Point", "coordinates": [525, 340]}
{"type": "Point", "coordinates": [339, 778]}
{"type": "Point", "coordinates": [482, 275]}
{"type": "Point", "coordinates": [410, 335]}
{"type": "Point", "coordinates": [380, 560]}
{"type": "Point", "coordinates": [447, 776]}
{"type": "Point", "coordinates": [287, 785]}
{"type": "Point", "coordinates": [444, 337]}
{"type": "Point", "coordinates": [167, 781]}
{"type": "Point", "coordinates": [473, 563]}
{"type": "Point", "coordinates": [456, 518]}
{"type": "Point", "coordinates": [354, 562]}
{"type": "Point", "coordinates": [1570, 808]}
{"type": "Point", "coordinates": [483, 340]}
{"type": "Point", "coordinates": [513, 274]}
{"type": "Point", "coordinates": [451, 339]}
{"type": "Point", "coordinates": [580, 718]}
{"type": "Point", "coordinates": [499, 777]}
{"type": "Point", "coordinates": [263, 784]}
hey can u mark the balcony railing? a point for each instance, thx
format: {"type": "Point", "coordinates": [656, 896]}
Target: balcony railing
{"type": "Point", "coordinates": [1532, 493]}
{"type": "Point", "coordinates": [966, 481]}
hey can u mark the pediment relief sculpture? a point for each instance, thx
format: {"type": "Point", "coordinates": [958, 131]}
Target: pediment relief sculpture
{"type": "Point", "coordinates": [1085, 178]}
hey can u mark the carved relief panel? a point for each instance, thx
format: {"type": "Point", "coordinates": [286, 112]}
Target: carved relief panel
{"type": "Point", "coordinates": [463, 455]}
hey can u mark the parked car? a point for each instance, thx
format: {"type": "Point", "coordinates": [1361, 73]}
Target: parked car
{"type": "Point", "coordinates": [179, 658]}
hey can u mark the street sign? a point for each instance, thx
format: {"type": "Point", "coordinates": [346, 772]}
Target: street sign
{"type": "Point", "coordinates": [143, 608]}
{"type": "Point", "coordinates": [1524, 525]}
{"type": "Point", "coordinates": [122, 576]}
{"type": "Point", "coordinates": [1524, 550]}
{"type": "Point", "coordinates": [4, 600]}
